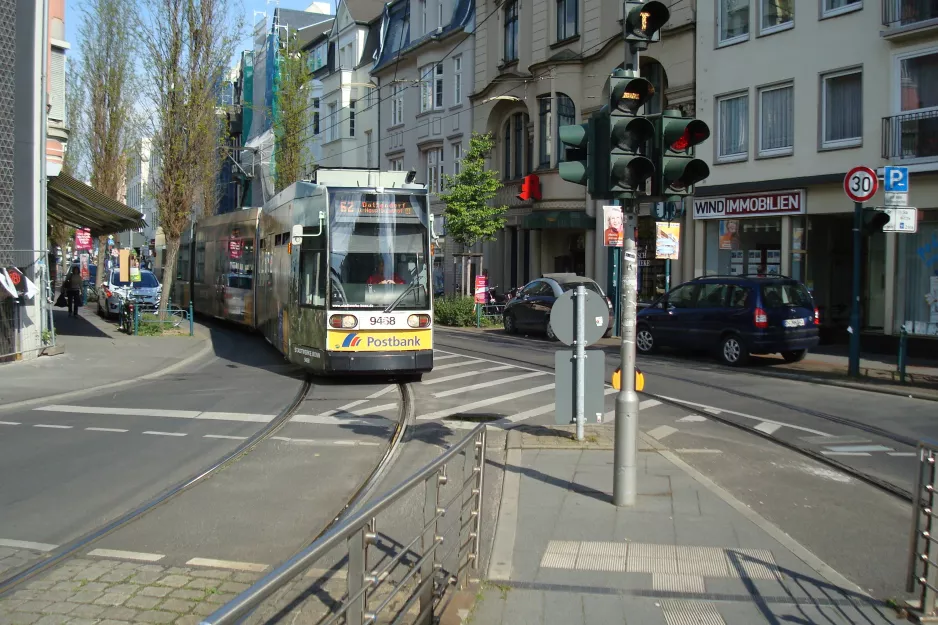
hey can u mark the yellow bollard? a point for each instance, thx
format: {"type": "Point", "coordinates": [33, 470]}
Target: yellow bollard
{"type": "Point", "coordinates": [639, 380]}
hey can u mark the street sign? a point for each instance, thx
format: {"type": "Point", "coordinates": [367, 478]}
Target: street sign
{"type": "Point", "coordinates": [860, 184]}
{"type": "Point", "coordinates": [895, 199]}
{"type": "Point", "coordinates": [594, 380]}
{"type": "Point", "coordinates": [896, 179]}
{"type": "Point", "coordinates": [901, 220]}
{"type": "Point", "coordinates": [563, 317]}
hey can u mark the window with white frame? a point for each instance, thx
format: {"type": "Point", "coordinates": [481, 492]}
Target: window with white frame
{"type": "Point", "coordinates": [733, 127]}
{"type": "Point", "coordinates": [368, 148]}
{"type": "Point", "coordinates": [457, 158]}
{"type": "Point", "coordinates": [835, 7]}
{"type": "Point", "coordinates": [776, 120]}
{"type": "Point", "coordinates": [511, 31]}
{"type": "Point", "coordinates": [733, 21]}
{"type": "Point", "coordinates": [351, 118]}
{"type": "Point", "coordinates": [396, 164]}
{"type": "Point", "coordinates": [457, 80]}
{"type": "Point", "coordinates": [431, 87]}
{"type": "Point", "coordinates": [332, 122]}
{"type": "Point", "coordinates": [397, 105]}
{"type": "Point", "coordinates": [919, 86]}
{"type": "Point", "coordinates": [434, 170]}
{"type": "Point", "coordinates": [439, 13]}
{"type": "Point", "coordinates": [438, 86]}
{"type": "Point", "coordinates": [776, 15]}
{"type": "Point", "coordinates": [842, 109]}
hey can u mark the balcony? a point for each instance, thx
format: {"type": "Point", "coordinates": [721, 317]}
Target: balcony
{"type": "Point", "coordinates": [911, 137]}
{"type": "Point", "coordinates": [905, 19]}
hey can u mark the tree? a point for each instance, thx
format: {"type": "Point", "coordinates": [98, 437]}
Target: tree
{"type": "Point", "coordinates": [291, 116]}
{"type": "Point", "coordinates": [75, 159]}
{"type": "Point", "coordinates": [189, 44]}
{"type": "Point", "coordinates": [469, 216]}
{"type": "Point", "coordinates": [108, 41]}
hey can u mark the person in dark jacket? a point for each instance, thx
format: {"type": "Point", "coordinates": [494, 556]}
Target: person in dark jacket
{"type": "Point", "coordinates": [72, 288]}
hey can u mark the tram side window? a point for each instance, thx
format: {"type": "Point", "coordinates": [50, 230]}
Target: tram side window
{"type": "Point", "coordinates": [313, 270]}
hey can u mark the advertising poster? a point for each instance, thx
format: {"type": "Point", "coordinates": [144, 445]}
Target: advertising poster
{"type": "Point", "coordinates": [613, 228]}
{"type": "Point", "coordinates": [481, 283]}
{"type": "Point", "coordinates": [797, 239]}
{"type": "Point", "coordinates": [83, 262]}
{"type": "Point", "coordinates": [729, 234]}
{"type": "Point", "coordinates": [82, 240]}
{"type": "Point", "coordinates": [667, 241]}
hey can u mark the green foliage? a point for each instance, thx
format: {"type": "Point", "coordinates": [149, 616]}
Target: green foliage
{"type": "Point", "coordinates": [455, 311]}
{"type": "Point", "coordinates": [291, 116]}
{"type": "Point", "coordinates": [469, 217]}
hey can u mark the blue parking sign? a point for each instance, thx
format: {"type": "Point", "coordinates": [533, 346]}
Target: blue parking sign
{"type": "Point", "coordinates": [896, 180]}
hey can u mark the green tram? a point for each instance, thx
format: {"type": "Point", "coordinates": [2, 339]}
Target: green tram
{"type": "Point", "coordinates": [333, 272]}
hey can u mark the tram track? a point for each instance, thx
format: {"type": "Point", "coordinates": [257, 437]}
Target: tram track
{"type": "Point", "coordinates": [14, 580]}
{"type": "Point", "coordinates": [883, 485]}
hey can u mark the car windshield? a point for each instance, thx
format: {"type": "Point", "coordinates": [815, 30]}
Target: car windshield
{"type": "Point", "coordinates": [147, 281]}
{"type": "Point", "coordinates": [591, 286]}
{"type": "Point", "coordinates": [379, 246]}
{"type": "Point", "coordinates": [783, 294]}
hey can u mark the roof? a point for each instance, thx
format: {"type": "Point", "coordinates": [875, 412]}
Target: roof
{"type": "Point", "coordinates": [298, 19]}
{"type": "Point", "coordinates": [309, 36]}
{"type": "Point", "coordinates": [463, 15]}
{"type": "Point", "coordinates": [372, 41]}
{"type": "Point", "coordinates": [82, 206]}
{"type": "Point", "coordinates": [363, 11]}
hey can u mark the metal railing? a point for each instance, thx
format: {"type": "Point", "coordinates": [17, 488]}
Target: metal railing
{"type": "Point", "coordinates": [387, 580]}
{"type": "Point", "coordinates": [923, 544]}
{"type": "Point", "coordinates": [26, 323]}
{"type": "Point", "coordinates": [911, 135]}
{"type": "Point", "coordinates": [904, 12]}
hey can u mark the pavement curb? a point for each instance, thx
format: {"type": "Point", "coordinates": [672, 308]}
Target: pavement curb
{"type": "Point", "coordinates": [202, 353]}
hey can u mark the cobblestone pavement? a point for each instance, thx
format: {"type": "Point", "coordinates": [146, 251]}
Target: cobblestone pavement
{"type": "Point", "coordinates": [13, 558]}
{"type": "Point", "coordinates": [114, 592]}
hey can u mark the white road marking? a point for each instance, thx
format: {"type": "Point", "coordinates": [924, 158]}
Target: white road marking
{"type": "Point", "coordinates": [442, 414]}
{"type": "Point", "coordinates": [768, 428]}
{"type": "Point", "coordinates": [165, 433]}
{"type": "Point", "coordinates": [699, 451]}
{"type": "Point", "coordinates": [10, 423]}
{"type": "Point", "coordinates": [325, 419]}
{"type": "Point", "coordinates": [661, 432]}
{"type": "Point", "coordinates": [494, 362]}
{"type": "Point", "coordinates": [845, 453]}
{"type": "Point", "coordinates": [54, 427]}
{"type": "Point", "coordinates": [463, 363]}
{"type": "Point", "coordinates": [106, 430]}
{"type": "Point", "coordinates": [481, 385]}
{"type": "Point", "coordinates": [228, 436]}
{"type": "Point", "coordinates": [461, 376]}
{"type": "Point", "coordinates": [25, 544]}
{"type": "Point", "coordinates": [250, 567]}
{"type": "Point", "coordinates": [127, 555]}
{"type": "Point", "coordinates": [527, 414]}
{"type": "Point", "coordinates": [310, 441]}
{"type": "Point", "coordinates": [902, 454]}
{"type": "Point", "coordinates": [387, 389]}
{"type": "Point", "coordinates": [648, 403]}
{"type": "Point", "coordinates": [444, 356]}
{"type": "Point", "coordinates": [170, 414]}
{"type": "Point", "coordinates": [235, 416]}
{"type": "Point", "coordinates": [859, 448]}
{"type": "Point", "coordinates": [692, 418]}
{"type": "Point", "coordinates": [713, 410]}
{"type": "Point", "coordinates": [369, 413]}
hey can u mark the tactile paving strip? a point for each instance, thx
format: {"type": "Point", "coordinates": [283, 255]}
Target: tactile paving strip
{"type": "Point", "coordinates": [691, 613]}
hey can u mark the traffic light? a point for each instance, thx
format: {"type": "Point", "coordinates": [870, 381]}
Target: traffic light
{"type": "Point", "coordinates": [530, 188]}
{"type": "Point", "coordinates": [643, 21]}
{"type": "Point", "coordinates": [574, 166]}
{"type": "Point", "coordinates": [629, 134]}
{"type": "Point", "coordinates": [678, 170]}
{"type": "Point", "coordinates": [874, 220]}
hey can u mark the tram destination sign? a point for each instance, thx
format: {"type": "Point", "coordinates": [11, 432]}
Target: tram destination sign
{"type": "Point", "coordinates": [372, 207]}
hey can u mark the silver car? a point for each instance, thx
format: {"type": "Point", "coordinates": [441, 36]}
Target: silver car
{"type": "Point", "coordinates": [147, 291]}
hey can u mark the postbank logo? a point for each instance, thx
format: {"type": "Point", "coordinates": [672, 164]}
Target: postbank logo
{"type": "Point", "coordinates": [379, 341]}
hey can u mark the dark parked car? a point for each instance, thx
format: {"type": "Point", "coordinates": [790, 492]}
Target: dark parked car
{"type": "Point", "coordinates": [734, 316]}
{"type": "Point", "coordinates": [529, 310]}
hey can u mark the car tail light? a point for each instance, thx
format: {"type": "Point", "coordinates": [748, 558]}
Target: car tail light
{"type": "Point", "coordinates": [817, 317]}
{"type": "Point", "coordinates": [762, 320]}
{"type": "Point", "coordinates": [418, 321]}
{"type": "Point", "coordinates": [343, 321]}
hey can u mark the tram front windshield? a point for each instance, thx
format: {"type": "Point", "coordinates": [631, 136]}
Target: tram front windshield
{"type": "Point", "coordinates": [378, 251]}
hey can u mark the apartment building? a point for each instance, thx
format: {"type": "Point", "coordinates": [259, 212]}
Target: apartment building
{"type": "Point", "coordinates": [796, 96]}
{"type": "Point", "coordinates": [541, 64]}
{"type": "Point", "coordinates": [139, 196]}
{"type": "Point", "coordinates": [424, 69]}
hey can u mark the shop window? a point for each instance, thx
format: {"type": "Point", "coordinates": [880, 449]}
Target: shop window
{"type": "Point", "coordinates": [750, 246]}
{"type": "Point", "coordinates": [918, 264]}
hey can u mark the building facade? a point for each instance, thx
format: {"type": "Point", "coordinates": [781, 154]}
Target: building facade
{"type": "Point", "coordinates": [540, 65]}
{"type": "Point", "coordinates": [425, 71]}
{"type": "Point", "coordinates": [857, 87]}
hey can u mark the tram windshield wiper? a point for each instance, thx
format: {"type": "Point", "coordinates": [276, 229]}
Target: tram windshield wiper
{"type": "Point", "coordinates": [418, 282]}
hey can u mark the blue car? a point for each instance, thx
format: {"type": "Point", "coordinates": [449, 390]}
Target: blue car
{"type": "Point", "coordinates": [732, 316]}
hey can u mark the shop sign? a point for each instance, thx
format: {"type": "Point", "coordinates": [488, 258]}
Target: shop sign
{"type": "Point", "coordinates": [753, 205]}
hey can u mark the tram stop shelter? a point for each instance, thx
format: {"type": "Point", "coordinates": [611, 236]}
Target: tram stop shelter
{"type": "Point", "coordinates": [81, 206]}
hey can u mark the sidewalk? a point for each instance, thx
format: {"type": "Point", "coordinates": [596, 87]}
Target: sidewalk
{"type": "Point", "coordinates": [687, 552]}
{"type": "Point", "coordinates": [95, 354]}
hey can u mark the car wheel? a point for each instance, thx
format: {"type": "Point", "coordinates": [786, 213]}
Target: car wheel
{"type": "Point", "coordinates": [733, 351]}
{"type": "Point", "coordinates": [550, 333]}
{"type": "Point", "coordinates": [796, 355]}
{"type": "Point", "coordinates": [509, 322]}
{"type": "Point", "coordinates": [644, 340]}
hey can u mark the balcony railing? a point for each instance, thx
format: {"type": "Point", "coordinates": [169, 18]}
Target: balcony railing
{"type": "Point", "coordinates": [904, 12]}
{"type": "Point", "coordinates": [911, 136]}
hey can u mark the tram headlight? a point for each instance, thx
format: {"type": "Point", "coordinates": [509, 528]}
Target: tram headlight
{"type": "Point", "coordinates": [343, 321]}
{"type": "Point", "coordinates": [418, 321]}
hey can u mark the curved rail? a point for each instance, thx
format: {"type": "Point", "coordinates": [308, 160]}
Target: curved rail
{"type": "Point", "coordinates": [9, 583]}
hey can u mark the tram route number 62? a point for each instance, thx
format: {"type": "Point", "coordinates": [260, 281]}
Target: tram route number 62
{"type": "Point", "coordinates": [860, 184]}
{"type": "Point", "coordinates": [382, 321]}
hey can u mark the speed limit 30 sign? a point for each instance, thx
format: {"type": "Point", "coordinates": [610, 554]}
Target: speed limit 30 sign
{"type": "Point", "coordinates": [861, 184]}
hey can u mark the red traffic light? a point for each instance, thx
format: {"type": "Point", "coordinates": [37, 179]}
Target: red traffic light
{"type": "Point", "coordinates": [694, 133]}
{"type": "Point", "coordinates": [530, 188]}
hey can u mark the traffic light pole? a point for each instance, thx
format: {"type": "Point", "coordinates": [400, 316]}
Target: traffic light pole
{"type": "Point", "coordinates": [624, 481]}
{"type": "Point", "coordinates": [853, 367]}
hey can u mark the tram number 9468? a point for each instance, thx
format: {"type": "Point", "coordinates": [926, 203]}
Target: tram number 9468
{"type": "Point", "coordinates": [382, 321]}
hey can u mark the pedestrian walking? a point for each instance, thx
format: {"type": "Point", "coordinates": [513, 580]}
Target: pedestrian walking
{"type": "Point", "coordinates": [71, 287]}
